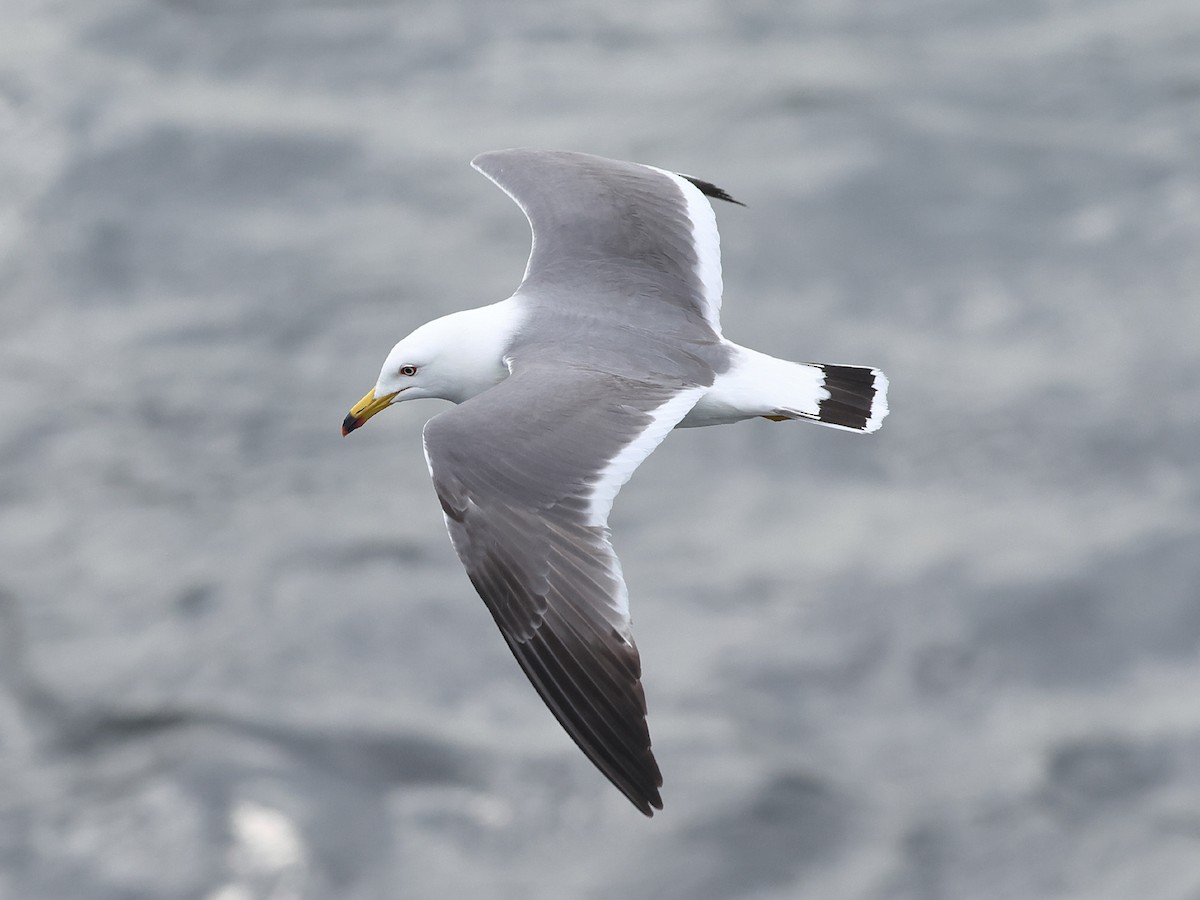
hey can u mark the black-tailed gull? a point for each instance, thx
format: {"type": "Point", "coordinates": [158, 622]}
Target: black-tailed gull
{"type": "Point", "coordinates": [612, 339]}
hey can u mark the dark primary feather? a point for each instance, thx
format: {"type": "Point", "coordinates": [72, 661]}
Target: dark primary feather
{"type": "Point", "coordinates": [708, 189]}
{"type": "Point", "coordinates": [514, 469]}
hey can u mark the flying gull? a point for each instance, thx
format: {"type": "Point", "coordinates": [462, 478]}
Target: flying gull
{"type": "Point", "coordinates": [612, 339]}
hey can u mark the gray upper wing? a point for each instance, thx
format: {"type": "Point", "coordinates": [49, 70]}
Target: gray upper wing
{"type": "Point", "coordinates": [636, 230]}
{"type": "Point", "coordinates": [524, 473]}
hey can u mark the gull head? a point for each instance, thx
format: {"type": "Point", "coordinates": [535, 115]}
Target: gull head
{"type": "Point", "coordinates": [451, 358]}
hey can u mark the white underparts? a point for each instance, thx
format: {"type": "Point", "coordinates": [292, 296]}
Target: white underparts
{"type": "Point", "coordinates": [758, 385]}
{"type": "Point", "coordinates": [850, 398]}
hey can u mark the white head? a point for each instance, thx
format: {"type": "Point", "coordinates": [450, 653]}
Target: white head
{"type": "Point", "coordinates": [451, 358]}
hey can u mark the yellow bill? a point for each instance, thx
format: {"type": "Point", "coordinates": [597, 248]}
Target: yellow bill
{"type": "Point", "coordinates": [364, 409]}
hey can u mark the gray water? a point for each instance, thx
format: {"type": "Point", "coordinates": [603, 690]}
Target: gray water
{"type": "Point", "coordinates": [956, 659]}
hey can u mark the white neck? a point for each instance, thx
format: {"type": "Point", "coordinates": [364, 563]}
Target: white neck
{"type": "Point", "coordinates": [477, 340]}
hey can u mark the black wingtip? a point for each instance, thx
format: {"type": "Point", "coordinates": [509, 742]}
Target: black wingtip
{"type": "Point", "coordinates": [708, 189]}
{"type": "Point", "coordinates": [650, 805]}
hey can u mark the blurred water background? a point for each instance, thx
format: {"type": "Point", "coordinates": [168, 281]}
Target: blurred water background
{"type": "Point", "coordinates": [957, 659]}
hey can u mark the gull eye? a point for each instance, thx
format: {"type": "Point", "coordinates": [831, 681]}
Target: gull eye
{"type": "Point", "coordinates": [408, 371]}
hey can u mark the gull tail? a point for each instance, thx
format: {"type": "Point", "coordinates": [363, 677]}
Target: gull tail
{"type": "Point", "coordinates": [856, 401]}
